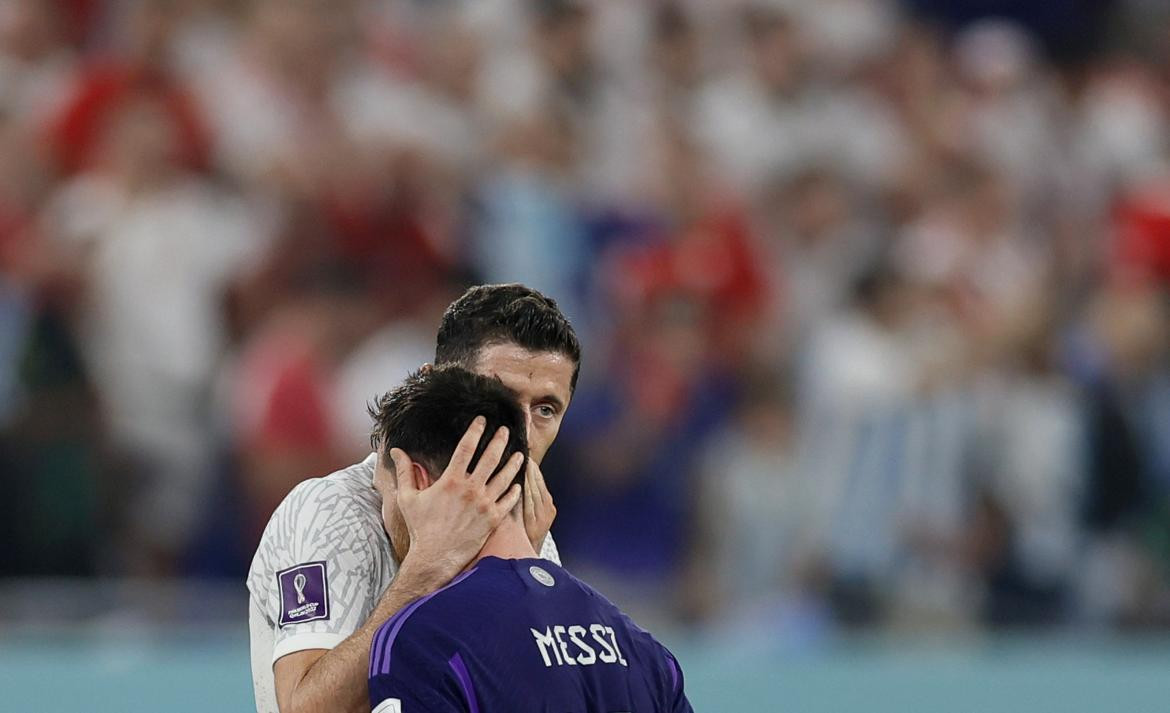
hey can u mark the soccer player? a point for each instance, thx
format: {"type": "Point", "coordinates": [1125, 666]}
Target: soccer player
{"type": "Point", "coordinates": [332, 564]}
{"type": "Point", "coordinates": [513, 633]}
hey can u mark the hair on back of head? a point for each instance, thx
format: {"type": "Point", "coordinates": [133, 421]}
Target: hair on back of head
{"type": "Point", "coordinates": [505, 314]}
{"type": "Point", "coordinates": [429, 413]}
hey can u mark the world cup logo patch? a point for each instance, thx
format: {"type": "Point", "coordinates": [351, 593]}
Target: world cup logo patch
{"type": "Point", "coordinates": [304, 593]}
{"type": "Point", "coordinates": [299, 583]}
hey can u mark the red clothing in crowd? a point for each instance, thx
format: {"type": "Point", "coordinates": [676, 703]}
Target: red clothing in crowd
{"type": "Point", "coordinates": [713, 261]}
{"type": "Point", "coordinates": [1143, 232]}
{"type": "Point", "coordinates": [108, 87]}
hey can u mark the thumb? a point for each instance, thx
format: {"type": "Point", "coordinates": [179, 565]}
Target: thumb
{"type": "Point", "coordinates": [402, 467]}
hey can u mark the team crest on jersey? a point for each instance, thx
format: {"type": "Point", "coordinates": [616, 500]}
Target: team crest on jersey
{"type": "Point", "coordinates": [304, 593]}
{"type": "Point", "coordinates": [541, 576]}
{"type": "Point", "coordinates": [390, 705]}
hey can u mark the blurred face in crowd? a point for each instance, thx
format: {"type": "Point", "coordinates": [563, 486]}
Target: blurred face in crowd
{"type": "Point", "coordinates": [150, 28]}
{"type": "Point", "coordinates": [302, 37]}
{"type": "Point", "coordinates": [28, 28]}
{"type": "Point", "coordinates": [989, 205]}
{"type": "Point", "coordinates": [816, 204]}
{"type": "Point", "coordinates": [676, 47]}
{"type": "Point", "coordinates": [454, 59]}
{"type": "Point", "coordinates": [563, 39]}
{"type": "Point", "coordinates": [775, 50]}
{"type": "Point", "coordinates": [140, 144]}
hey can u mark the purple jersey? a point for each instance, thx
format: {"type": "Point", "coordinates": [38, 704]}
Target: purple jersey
{"type": "Point", "coordinates": [520, 636]}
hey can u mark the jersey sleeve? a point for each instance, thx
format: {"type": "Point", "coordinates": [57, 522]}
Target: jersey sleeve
{"type": "Point", "coordinates": [676, 697]}
{"type": "Point", "coordinates": [548, 550]}
{"type": "Point", "coordinates": [313, 572]}
{"type": "Point", "coordinates": [410, 671]}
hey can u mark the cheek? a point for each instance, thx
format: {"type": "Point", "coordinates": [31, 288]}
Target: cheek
{"type": "Point", "coordinates": [399, 534]}
{"type": "Point", "coordinates": [541, 437]}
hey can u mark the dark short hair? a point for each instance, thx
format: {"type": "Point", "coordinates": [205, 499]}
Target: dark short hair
{"type": "Point", "coordinates": [429, 413]}
{"type": "Point", "coordinates": [505, 314]}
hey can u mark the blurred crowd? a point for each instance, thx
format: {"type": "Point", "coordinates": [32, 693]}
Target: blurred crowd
{"type": "Point", "coordinates": [873, 294]}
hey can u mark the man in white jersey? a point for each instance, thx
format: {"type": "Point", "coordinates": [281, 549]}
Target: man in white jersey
{"type": "Point", "coordinates": [330, 570]}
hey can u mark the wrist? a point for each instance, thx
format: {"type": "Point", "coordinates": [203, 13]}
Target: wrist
{"type": "Point", "coordinates": [422, 573]}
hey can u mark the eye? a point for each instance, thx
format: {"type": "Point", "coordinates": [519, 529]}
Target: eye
{"type": "Point", "coordinates": [546, 411]}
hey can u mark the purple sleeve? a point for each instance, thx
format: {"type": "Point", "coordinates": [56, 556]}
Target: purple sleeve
{"type": "Point", "coordinates": [406, 665]}
{"type": "Point", "coordinates": [417, 683]}
{"type": "Point", "coordinates": [678, 697]}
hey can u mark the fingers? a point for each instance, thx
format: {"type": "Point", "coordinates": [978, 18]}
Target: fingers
{"type": "Point", "coordinates": [531, 492]}
{"type": "Point", "coordinates": [505, 504]}
{"type": "Point", "coordinates": [546, 496]}
{"type": "Point", "coordinates": [402, 464]}
{"type": "Point", "coordinates": [491, 456]}
{"type": "Point", "coordinates": [538, 485]}
{"type": "Point", "coordinates": [500, 482]}
{"type": "Point", "coordinates": [465, 451]}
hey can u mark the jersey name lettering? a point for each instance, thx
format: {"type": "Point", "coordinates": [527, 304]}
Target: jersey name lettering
{"type": "Point", "coordinates": [578, 645]}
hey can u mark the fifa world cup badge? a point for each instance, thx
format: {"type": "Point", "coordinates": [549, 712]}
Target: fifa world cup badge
{"type": "Point", "coordinates": [299, 582]}
{"type": "Point", "coordinates": [304, 593]}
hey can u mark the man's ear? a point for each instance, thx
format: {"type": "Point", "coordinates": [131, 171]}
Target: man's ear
{"type": "Point", "coordinates": [422, 479]}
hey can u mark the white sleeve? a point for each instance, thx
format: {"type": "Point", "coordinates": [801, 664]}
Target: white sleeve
{"type": "Point", "coordinates": [263, 682]}
{"type": "Point", "coordinates": [548, 550]}
{"type": "Point", "coordinates": [313, 575]}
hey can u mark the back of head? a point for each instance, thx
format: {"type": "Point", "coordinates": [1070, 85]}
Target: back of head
{"type": "Point", "coordinates": [429, 413]}
{"type": "Point", "coordinates": [503, 314]}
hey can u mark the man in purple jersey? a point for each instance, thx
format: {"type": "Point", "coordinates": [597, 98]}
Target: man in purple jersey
{"type": "Point", "coordinates": [513, 633]}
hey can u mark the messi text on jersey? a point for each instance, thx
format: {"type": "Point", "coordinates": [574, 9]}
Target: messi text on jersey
{"type": "Point", "coordinates": [578, 645]}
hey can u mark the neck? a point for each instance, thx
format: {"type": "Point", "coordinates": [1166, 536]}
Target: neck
{"type": "Point", "coordinates": [509, 541]}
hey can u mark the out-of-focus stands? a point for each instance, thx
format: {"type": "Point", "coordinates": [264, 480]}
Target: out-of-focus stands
{"type": "Point", "coordinates": [873, 294]}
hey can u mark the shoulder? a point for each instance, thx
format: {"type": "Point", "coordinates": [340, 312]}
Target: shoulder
{"type": "Point", "coordinates": [319, 515]}
{"type": "Point", "coordinates": [641, 639]}
{"type": "Point", "coordinates": [439, 609]}
{"type": "Point", "coordinates": [355, 483]}
{"type": "Point", "coordinates": [435, 620]}
{"type": "Point", "coordinates": [319, 504]}
{"type": "Point", "coordinates": [338, 498]}
{"type": "Point", "coordinates": [549, 551]}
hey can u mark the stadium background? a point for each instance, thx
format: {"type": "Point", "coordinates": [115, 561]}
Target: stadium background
{"type": "Point", "coordinates": [875, 407]}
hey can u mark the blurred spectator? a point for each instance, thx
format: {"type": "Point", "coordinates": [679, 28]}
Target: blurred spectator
{"type": "Point", "coordinates": [138, 71]}
{"type": "Point", "coordinates": [283, 390]}
{"type": "Point", "coordinates": [226, 224]}
{"type": "Point", "coordinates": [698, 243]}
{"type": "Point", "coordinates": [1127, 489]}
{"type": "Point", "coordinates": [753, 500]}
{"type": "Point", "coordinates": [662, 395]}
{"type": "Point", "coordinates": [890, 452]}
{"type": "Point", "coordinates": [1142, 249]}
{"type": "Point", "coordinates": [1032, 453]}
{"type": "Point", "coordinates": [819, 244]}
{"type": "Point", "coordinates": [528, 227]}
{"type": "Point", "coordinates": [156, 247]}
{"type": "Point", "coordinates": [1011, 111]}
{"type": "Point", "coordinates": [36, 62]}
{"type": "Point", "coordinates": [758, 121]}
{"type": "Point", "coordinates": [52, 463]}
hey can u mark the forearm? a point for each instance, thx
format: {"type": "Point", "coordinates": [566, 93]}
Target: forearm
{"type": "Point", "coordinates": [338, 681]}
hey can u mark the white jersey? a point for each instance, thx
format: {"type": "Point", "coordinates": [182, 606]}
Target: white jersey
{"type": "Point", "coordinates": [323, 563]}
